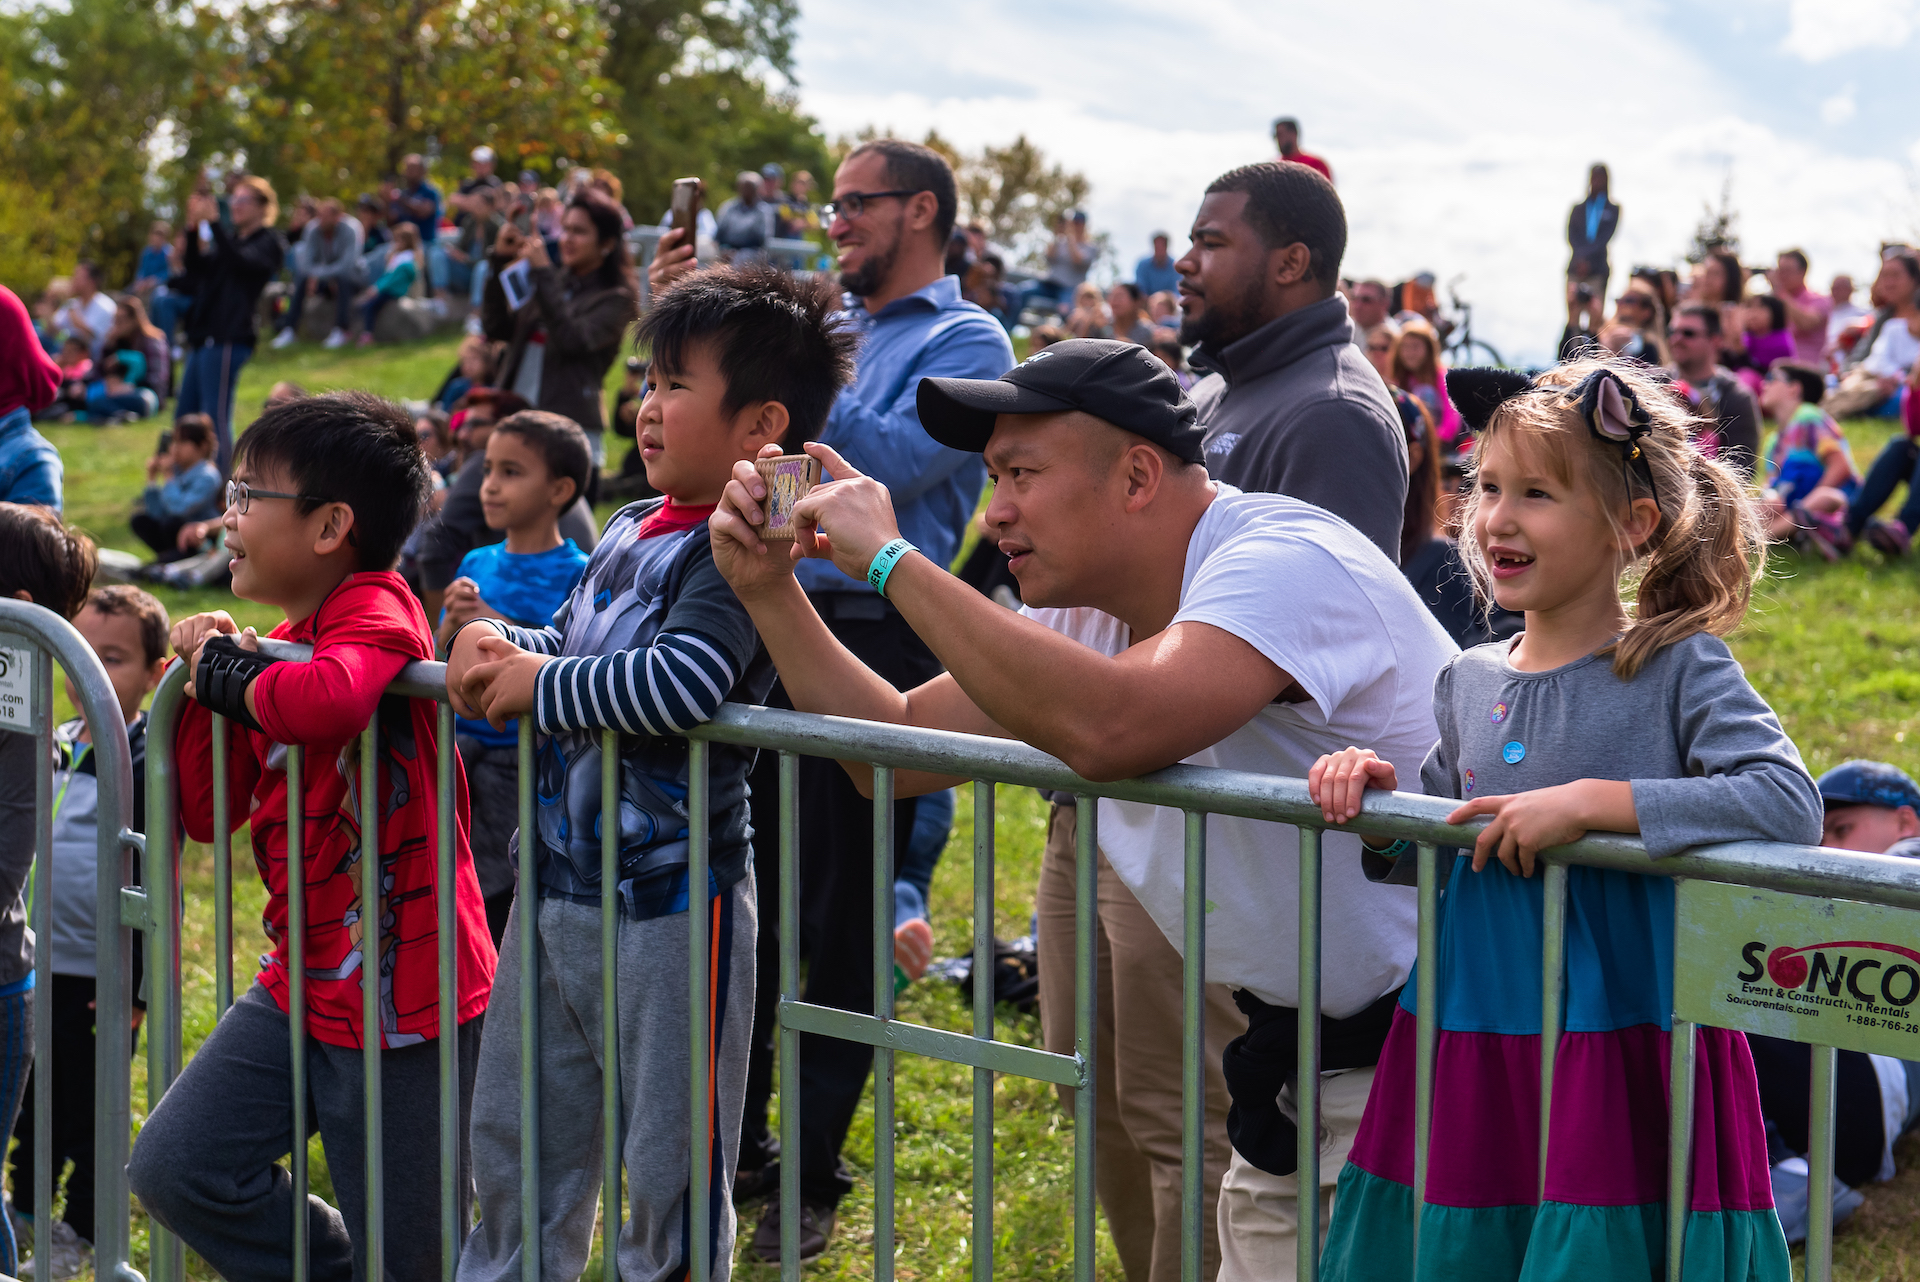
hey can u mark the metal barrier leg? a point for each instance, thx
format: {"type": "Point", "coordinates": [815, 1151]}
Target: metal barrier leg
{"type": "Point", "coordinates": [1306, 1090]}
{"type": "Point", "coordinates": [612, 1139]}
{"type": "Point", "coordinates": [1427, 1018]}
{"type": "Point", "coordinates": [372, 905]}
{"type": "Point", "coordinates": [222, 874]}
{"type": "Point", "coordinates": [297, 996]}
{"type": "Point", "coordinates": [1086, 997]}
{"type": "Point", "coordinates": [983, 915]}
{"type": "Point", "coordinates": [526, 898]}
{"type": "Point", "coordinates": [700, 1061]}
{"type": "Point", "coordinates": [1193, 1049]}
{"type": "Point", "coordinates": [42, 1001]}
{"type": "Point", "coordinates": [1553, 969]}
{"type": "Point", "coordinates": [1820, 1124]}
{"type": "Point", "coordinates": [1680, 1069]}
{"type": "Point", "coordinates": [446, 925]}
{"type": "Point", "coordinates": [882, 1009]}
{"type": "Point", "coordinates": [789, 1037]}
{"type": "Point", "coordinates": [166, 1256]}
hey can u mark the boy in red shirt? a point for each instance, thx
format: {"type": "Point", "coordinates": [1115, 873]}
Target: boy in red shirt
{"type": "Point", "coordinates": [325, 490]}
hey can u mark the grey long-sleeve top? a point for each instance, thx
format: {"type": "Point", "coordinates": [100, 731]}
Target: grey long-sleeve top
{"type": "Point", "coordinates": [1706, 756]}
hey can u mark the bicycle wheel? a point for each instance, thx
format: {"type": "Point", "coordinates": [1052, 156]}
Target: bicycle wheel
{"type": "Point", "coordinates": [1473, 351]}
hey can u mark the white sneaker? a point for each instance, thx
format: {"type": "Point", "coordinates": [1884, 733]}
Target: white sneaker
{"type": "Point", "coordinates": [439, 306]}
{"type": "Point", "coordinates": [68, 1254]}
{"type": "Point", "coordinates": [283, 339]}
{"type": "Point", "coordinates": [338, 338]}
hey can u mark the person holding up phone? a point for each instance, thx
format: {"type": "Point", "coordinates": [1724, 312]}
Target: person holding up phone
{"type": "Point", "coordinates": [563, 335]}
{"type": "Point", "coordinates": [231, 254]}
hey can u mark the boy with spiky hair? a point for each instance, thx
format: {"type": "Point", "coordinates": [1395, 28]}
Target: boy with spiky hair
{"type": "Point", "coordinates": [325, 489]}
{"type": "Point", "coordinates": [649, 643]}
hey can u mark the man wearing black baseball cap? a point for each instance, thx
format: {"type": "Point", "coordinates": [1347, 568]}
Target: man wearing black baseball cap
{"type": "Point", "coordinates": [1874, 807]}
{"type": "Point", "coordinates": [1169, 618]}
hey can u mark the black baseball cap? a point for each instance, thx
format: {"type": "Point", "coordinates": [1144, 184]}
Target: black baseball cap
{"type": "Point", "coordinates": [1121, 383]}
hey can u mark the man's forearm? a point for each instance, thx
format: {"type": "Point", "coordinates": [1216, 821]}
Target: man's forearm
{"type": "Point", "coordinates": [819, 673]}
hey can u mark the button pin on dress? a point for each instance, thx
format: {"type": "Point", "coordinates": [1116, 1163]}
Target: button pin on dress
{"type": "Point", "coordinates": [1498, 714]}
{"type": "Point", "coordinates": [1514, 752]}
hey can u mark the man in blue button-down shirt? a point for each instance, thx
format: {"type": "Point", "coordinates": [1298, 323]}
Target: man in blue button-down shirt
{"type": "Point", "coordinates": [893, 208]}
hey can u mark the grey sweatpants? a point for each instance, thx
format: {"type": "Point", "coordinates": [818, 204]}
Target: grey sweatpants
{"type": "Point", "coordinates": [206, 1164]}
{"type": "Point", "coordinates": [651, 987]}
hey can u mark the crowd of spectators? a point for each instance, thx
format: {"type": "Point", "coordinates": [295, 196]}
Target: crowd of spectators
{"type": "Point", "coordinates": [1296, 381]}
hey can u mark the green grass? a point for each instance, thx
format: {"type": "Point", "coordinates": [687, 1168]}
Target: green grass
{"type": "Point", "coordinates": [1832, 647]}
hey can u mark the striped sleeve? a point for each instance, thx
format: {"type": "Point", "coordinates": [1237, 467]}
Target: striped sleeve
{"type": "Point", "coordinates": [547, 640]}
{"type": "Point", "coordinates": [671, 686]}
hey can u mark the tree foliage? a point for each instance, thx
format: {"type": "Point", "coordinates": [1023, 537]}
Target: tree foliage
{"type": "Point", "coordinates": [1718, 230]}
{"type": "Point", "coordinates": [84, 89]}
{"type": "Point", "coordinates": [109, 108]}
{"type": "Point", "coordinates": [706, 89]}
{"type": "Point", "coordinates": [336, 92]}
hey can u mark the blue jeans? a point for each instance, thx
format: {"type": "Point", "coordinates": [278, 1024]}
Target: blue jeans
{"type": "Point", "coordinates": [913, 869]}
{"type": "Point", "coordinates": [1899, 461]}
{"type": "Point", "coordinates": [447, 273]}
{"type": "Point", "coordinates": [207, 386]}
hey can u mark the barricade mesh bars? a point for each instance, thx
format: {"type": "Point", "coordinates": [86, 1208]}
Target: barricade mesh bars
{"type": "Point", "coordinates": [44, 640]}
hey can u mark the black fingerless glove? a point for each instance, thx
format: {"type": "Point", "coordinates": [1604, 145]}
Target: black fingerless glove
{"type": "Point", "coordinates": [220, 682]}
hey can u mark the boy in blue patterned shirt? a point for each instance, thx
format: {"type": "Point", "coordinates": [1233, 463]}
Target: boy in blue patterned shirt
{"type": "Point", "coordinates": [649, 644]}
{"type": "Point", "coordinates": [536, 466]}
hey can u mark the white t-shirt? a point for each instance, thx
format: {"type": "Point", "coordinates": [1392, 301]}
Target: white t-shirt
{"type": "Point", "coordinates": [1894, 352]}
{"type": "Point", "coordinates": [1318, 598]}
{"type": "Point", "coordinates": [96, 314]}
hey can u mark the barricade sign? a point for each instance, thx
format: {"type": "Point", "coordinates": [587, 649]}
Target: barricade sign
{"type": "Point", "coordinates": [1826, 971]}
{"type": "Point", "coordinates": [16, 684]}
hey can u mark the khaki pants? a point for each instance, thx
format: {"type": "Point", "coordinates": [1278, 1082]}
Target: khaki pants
{"type": "Point", "coordinates": [1259, 1213]}
{"type": "Point", "coordinates": [1137, 1059]}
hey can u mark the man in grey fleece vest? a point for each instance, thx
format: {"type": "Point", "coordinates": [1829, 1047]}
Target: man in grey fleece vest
{"type": "Point", "coordinates": [1290, 405]}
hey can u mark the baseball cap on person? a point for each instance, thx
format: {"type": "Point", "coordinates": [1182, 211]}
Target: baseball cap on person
{"type": "Point", "coordinates": [772, 170]}
{"type": "Point", "coordinates": [1120, 383]}
{"type": "Point", "coordinates": [1869, 783]}
{"type": "Point", "coordinates": [481, 155]}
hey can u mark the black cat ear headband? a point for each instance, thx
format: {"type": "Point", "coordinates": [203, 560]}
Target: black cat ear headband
{"type": "Point", "coordinates": [1610, 409]}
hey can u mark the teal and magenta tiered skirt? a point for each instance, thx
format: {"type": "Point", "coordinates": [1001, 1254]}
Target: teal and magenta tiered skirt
{"type": "Point", "coordinates": [1604, 1214]}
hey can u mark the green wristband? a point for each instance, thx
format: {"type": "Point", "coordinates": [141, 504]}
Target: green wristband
{"type": "Point", "coordinates": [1392, 851]}
{"type": "Point", "coordinates": [883, 562]}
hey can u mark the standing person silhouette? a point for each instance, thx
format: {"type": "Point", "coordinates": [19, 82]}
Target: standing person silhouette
{"type": "Point", "coordinates": [1590, 227]}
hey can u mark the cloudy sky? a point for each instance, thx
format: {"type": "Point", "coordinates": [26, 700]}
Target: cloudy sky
{"type": "Point", "coordinates": [1459, 134]}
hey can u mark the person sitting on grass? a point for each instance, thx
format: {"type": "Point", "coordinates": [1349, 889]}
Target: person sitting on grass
{"type": "Point", "coordinates": [119, 396]}
{"type": "Point", "coordinates": [127, 630]}
{"type": "Point", "coordinates": [649, 643]}
{"type": "Point", "coordinates": [324, 491]}
{"type": "Point", "coordinates": [1872, 807]}
{"type": "Point", "coordinates": [190, 494]}
{"type": "Point", "coordinates": [536, 465]}
{"type": "Point", "coordinates": [76, 367]}
{"type": "Point", "coordinates": [47, 563]}
{"type": "Point", "coordinates": [1810, 479]}
{"type": "Point", "coordinates": [395, 282]}
{"type": "Point", "coordinates": [1768, 341]}
{"type": "Point", "coordinates": [1899, 461]}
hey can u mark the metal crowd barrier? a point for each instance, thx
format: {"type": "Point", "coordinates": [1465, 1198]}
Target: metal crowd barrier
{"type": "Point", "coordinates": [33, 641]}
{"type": "Point", "coordinates": [1757, 867]}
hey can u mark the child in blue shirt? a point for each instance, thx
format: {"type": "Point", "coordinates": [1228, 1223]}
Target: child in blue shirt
{"type": "Point", "coordinates": [192, 491]}
{"type": "Point", "coordinates": [537, 464]}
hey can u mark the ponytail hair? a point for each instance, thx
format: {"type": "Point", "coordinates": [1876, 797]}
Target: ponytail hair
{"type": "Point", "coordinates": [1698, 567]}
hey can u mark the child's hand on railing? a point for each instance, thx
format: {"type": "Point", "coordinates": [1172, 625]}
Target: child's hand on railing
{"type": "Point", "coordinates": [192, 632]}
{"type": "Point", "coordinates": [1525, 823]}
{"type": "Point", "coordinates": [500, 683]}
{"type": "Point", "coordinates": [1339, 780]}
